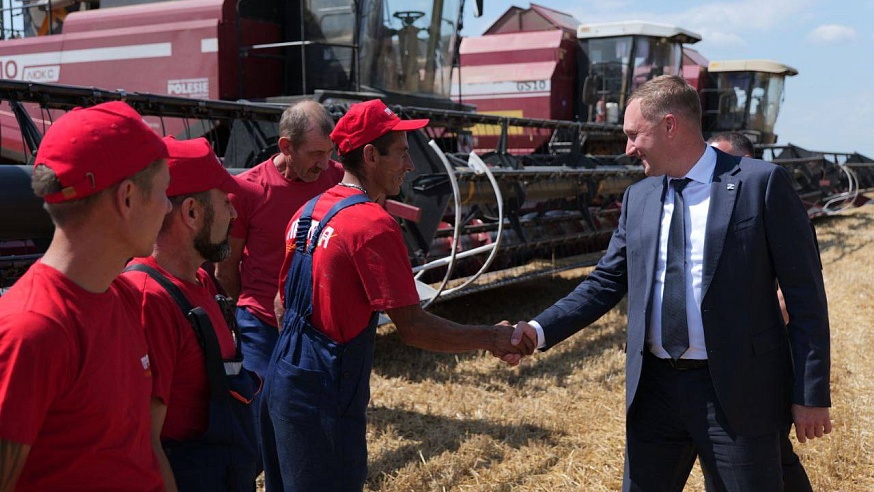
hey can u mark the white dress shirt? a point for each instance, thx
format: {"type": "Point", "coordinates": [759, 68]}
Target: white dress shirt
{"type": "Point", "coordinates": [696, 196]}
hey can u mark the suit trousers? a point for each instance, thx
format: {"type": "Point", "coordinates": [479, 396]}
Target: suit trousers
{"type": "Point", "coordinates": [676, 417]}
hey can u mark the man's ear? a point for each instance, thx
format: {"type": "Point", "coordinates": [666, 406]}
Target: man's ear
{"type": "Point", "coordinates": [191, 211]}
{"type": "Point", "coordinates": [670, 124]}
{"type": "Point", "coordinates": [369, 154]}
{"type": "Point", "coordinates": [124, 197]}
{"type": "Point", "coordinates": [284, 144]}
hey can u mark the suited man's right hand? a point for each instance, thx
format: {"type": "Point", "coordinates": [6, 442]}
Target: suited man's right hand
{"type": "Point", "coordinates": [523, 334]}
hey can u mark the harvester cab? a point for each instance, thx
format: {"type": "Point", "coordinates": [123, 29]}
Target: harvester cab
{"type": "Point", "coordinates": [745, 96]}
{"type": "Point", "coordinates": [401, 50]}
{"type": "Point", "coordinates": [617, 57]}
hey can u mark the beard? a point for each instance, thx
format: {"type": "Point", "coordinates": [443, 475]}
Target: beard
{"type": "Point", "coordinates": [210, 251]}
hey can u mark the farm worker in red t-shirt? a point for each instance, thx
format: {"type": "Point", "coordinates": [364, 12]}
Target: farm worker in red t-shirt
{"type": "Point", "coordinates": [282, 184]}
{"type": "Point", "coordinates": [74, 366]}
{"type": "Point", "coordinates": [339, 272]}
{"type": "Point", "coordinates": [203, 435]}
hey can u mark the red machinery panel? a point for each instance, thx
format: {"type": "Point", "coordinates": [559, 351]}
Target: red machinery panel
{"type": "Point", "coordinates": [525, 75]}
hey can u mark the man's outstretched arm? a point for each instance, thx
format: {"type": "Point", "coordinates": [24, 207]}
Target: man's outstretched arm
{"type": "Point", "coordinates": [424, 330]}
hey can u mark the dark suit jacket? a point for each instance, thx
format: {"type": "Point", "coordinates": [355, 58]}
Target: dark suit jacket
{"type": "Point", "coordinates": [757, 232]}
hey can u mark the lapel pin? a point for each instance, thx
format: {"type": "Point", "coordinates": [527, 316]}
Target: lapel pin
{"type": "Point", "coordinates": [729, 186]}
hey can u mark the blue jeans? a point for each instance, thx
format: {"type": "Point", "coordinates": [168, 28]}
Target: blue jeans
{"type": "Point", "coordinates": [258, 340]}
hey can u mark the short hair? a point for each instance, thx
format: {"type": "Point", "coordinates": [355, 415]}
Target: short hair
{"type": "Point", "coordinates": [297, 119]}
{"type": "Point", "coordinates": [45, 182]}
{"type": "Point", "coordinates": [738, 141]}
{"type": "Point", "coordinates": [353, 159]}
{"type": "Point", "coordinates": [201, 197]}
{"type": "Point", "coordinates": [668, 94]}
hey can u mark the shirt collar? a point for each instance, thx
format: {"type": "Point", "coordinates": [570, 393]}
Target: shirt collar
{"type": "Point", "coordinates": [702, 171]}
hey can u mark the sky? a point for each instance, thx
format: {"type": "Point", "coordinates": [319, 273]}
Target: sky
{"type": "Point", "coordinates": [828, 106]}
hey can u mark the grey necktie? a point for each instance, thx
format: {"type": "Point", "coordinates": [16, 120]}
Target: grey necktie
{"type": "Point", "coordinates": [675, 329]}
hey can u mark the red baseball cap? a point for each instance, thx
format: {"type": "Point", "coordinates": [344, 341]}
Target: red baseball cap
{"type": "Point", "coordinates": [194, 167]}
{"type": "Point", "coordinates": [91, 149]}
{"type": "Point", "coordinates": [367, 121]}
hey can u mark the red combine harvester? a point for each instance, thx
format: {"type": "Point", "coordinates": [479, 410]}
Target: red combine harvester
{"type": "Point", "coordinates": [541, 63]}
{"type": "Point", "coordinates": [530, 209]}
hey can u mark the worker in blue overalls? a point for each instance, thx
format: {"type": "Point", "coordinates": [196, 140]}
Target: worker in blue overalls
{"type": "Point", "coordinates": [345, 261]}
{"type": "Point", "coordinates": [203, 428]}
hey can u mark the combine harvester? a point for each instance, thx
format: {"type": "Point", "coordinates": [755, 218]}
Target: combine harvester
{"type": "Point", "coordinates": [540, 194]}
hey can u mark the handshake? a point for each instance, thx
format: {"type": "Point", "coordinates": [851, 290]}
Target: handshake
{"type": "Point", "coordinates": [511, 343]}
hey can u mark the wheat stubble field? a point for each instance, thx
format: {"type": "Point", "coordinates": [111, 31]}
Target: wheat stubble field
{"type": "Point", "coordinates": [469, 423]}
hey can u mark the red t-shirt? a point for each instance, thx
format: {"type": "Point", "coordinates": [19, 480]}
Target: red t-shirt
{"type": "Point", "coordinates": [178, 365]}
{"type": "Point", "coordinates": [261, 221]}
{"type": "Point", "coordinates": [359, 266]}
{"type": "Point", "coordinates": [74, 385]}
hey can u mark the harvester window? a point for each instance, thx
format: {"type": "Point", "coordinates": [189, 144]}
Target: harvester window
{"type": "Point", "coordinates": [41, 17]}
{"type": "Point", "coordinates": [407, 46]}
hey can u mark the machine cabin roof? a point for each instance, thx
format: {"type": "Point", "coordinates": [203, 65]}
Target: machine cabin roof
{"type": "Point", "coordinates": [765, 66]}
{"type": "Point", "coordinates": [638, 28]}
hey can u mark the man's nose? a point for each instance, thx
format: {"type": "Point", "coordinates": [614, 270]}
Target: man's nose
{"type": "Point", "coordinates": [630, 149]}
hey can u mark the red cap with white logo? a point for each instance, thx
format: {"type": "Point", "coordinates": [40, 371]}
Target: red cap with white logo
{"type": "Point", "coordinates": [367, 121]}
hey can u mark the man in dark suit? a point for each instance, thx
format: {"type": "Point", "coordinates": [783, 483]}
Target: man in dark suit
{"type": "Point", "coordinates": [795, 478]}
{"type": "Point", "coordinates": [710, 364]}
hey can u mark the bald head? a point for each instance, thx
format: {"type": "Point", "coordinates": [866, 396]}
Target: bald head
{"type": "Point", "coordinates": [304, 117]}
{"type": "Point", "coordinates": [733, 143]}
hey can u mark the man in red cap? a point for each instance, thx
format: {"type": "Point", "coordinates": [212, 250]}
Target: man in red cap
{"type": "Point", "coordinates": [74, 366]}
{"type": "Point", "coordinates": [301, 170]}
{"type": "Point", "coordinates": [333, 285]}
{"type": "Point", "coordinates": [203, 435]}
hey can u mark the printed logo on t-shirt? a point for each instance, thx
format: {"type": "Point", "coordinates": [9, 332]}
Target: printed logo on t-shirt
{"type": "Point", "coordinates": [324, 238]}
{"type": "Point", "coordinates": [144, 360]}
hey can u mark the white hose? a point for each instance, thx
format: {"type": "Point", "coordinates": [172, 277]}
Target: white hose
{"type": "Point", "coordinates": [848, 197]}
{"type": "Point", "coordinates": [479, 167]}
{"type": "Point", "coordinates": [456, 194]}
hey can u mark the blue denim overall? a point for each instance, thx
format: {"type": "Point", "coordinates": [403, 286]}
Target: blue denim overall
{"type": "Point", "coordinates": [224, 457]}
{"type": "Point", "coordinates": [316, 392]}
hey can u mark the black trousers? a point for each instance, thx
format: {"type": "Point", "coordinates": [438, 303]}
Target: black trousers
{"type": "Point", "coordinates": [675, 418]}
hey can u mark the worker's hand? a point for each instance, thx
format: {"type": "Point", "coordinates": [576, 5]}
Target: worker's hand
{"type": "Point", "coordinates": [522, 342]}
{"type": "Point", "coordinates": [810, 422]}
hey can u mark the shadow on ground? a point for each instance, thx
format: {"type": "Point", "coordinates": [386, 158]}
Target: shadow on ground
{"type": "Point", "coordinates": [433, 435]}
{"type": "Point", "coordinates": [835, 233]}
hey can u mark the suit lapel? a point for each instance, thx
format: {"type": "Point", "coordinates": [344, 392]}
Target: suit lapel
{"type": "Point", "coordinates": [724, 190]}
{"type": "Point", "coordinates": [650, 226]}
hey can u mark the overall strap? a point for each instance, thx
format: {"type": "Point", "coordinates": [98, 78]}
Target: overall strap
{"type": "Point", "coordinates": [165, 282]}
{"type": "Point", "coordinates": [303, 223]}
{"type": "Point", "coordinates": [200, 322]}
{"type": "Point", "coordinates": [346, 202]}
